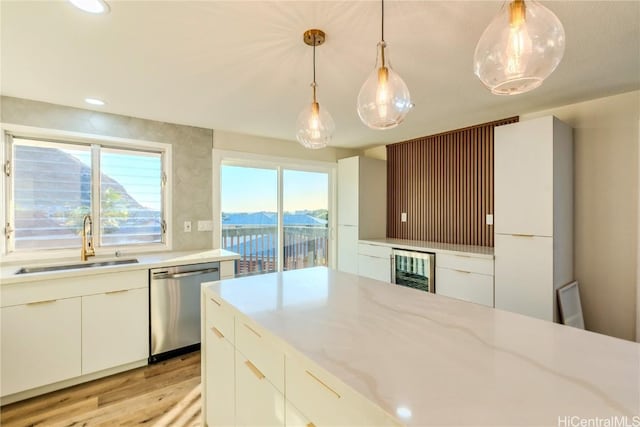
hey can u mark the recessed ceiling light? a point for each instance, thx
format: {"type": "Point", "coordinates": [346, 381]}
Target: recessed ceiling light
{"type": "Point", "coordinates": [94, 101]}
{"type": "Point", "coordinates": [91, 6]}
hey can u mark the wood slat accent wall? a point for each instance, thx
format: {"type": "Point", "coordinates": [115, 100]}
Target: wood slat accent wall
{"type": "Point", "coordinates": [444, 183]}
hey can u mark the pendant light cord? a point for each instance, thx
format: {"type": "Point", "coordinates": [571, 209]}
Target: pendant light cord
{"type": "Point", "coordinates": [314, 69]}
{"type": "Point", "coordinates": [382, 6]}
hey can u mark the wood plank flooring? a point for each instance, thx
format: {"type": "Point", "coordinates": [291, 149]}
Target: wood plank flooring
{"type": "Point", "coordinates": [164, 394]}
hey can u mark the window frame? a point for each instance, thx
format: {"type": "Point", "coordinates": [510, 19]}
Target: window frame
{"type": "Point", "coordinates": [243, 159]}
{"type": "Point", "coordinates": [10, 131]}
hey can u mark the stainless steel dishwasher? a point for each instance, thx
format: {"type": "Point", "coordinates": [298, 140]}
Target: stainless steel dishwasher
{"type": "Point", "coordinates": [174, 308]}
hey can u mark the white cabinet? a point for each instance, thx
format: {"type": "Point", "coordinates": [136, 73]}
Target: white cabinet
{"type": "Point", "coordinates": [362, 206]}
{"type": "Point", "coordinates": [348, 248]}
{"type": "Point", "coordinates": [533, 215]}
{"type": "Point", "coordinates": [258, 402]}
{"type": "Point", "coordinates": [56, 331]}
{"type": "Point", "coordinates": [465, 277]}
{"type": "Point", "coordinates": [115, 329]}
{"type": "Point", "coordinates": [246, 369]}
{"type": "Point", "coordinates": [220, 389]}
{"type": "Point", "coordinates": [227, 269]}
{"type": "Point", "coordinates": [218, 362]}
{"type": "Point", "coordinates": [531, 293]}
{"type": "Point", "coordinates": [40, 344]}
{"type": "Point", "coordinates": [374, 262]}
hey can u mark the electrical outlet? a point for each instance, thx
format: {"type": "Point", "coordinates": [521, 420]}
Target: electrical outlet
{"type": "Point", "coordinates": [187, 226]}
{"type": "Point", "coordinates": [489, 219]}
{"type": "Point", "coordinates": [403, 217]}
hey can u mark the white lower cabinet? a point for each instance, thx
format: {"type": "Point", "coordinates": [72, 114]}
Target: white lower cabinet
{"type": "Point", "coordinates": [115, 329]}
{"type": "Point", "coordinates": [265, 384]}
{"type": "Point", "coordinates": [465, 285]}
{"type": "Point", "coordinates": [40, 344]}
{"type": "Point", "coordinates": [465, 278]}
{"type": "Point", "coordinates": [220, 386]}
{"type": "Point", "coordinates": [258, 402]}
{"type": "Point", "coordinates": [374, 262]}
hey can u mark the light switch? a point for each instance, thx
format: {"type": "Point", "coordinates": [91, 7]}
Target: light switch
{"type": "Point", "coordinates": [187, 226]}
{"type": "Point", "coordinates": [205, 225]}
{"type": "Point", "coordinates": [489, 219]}
{"type": "Point", "coordinates": [403, 217]}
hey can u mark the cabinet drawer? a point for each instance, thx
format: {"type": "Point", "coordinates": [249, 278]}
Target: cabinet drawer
{"type": "Point", "coordinates": [325, 401]}
{"type": "Point", "coordinates": [258, 346]}
{"type": "Point", "coordinates": [472, 287]}
{"type": "Point", "coordinates": [219, 318]}
{"type": "Point", "coordinates": [465, 263]}
{"type": "Point", "coordinates": [374, 268]}
{"type": "Point", "coordinates": [374, 250]}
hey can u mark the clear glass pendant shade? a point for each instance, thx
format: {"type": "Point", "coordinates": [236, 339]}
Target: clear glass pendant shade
{"type": "Point", "coordinates": [520, 48]}
{"type": "Point", "coordinates": [315, 126]}
{"type": "Point", "coordinates": [384, 99]}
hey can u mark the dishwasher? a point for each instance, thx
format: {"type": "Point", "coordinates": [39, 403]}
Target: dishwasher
{"type": "Point", "coordinates": [174, 308]}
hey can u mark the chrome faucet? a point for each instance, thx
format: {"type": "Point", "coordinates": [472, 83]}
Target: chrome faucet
{"type": "Point", "coordinates": [87, 242]}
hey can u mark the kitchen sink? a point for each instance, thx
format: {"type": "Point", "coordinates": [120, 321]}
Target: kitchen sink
{"type": "Point", "coordinates": [42, 269]}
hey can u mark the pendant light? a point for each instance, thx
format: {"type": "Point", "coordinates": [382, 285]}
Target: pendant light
{"type": "Point", "coordinates": [384, 100]}
{"type": "Point", "coordinates": [520, 48]}
{"type": "Point", "coordinates": [315, 125]}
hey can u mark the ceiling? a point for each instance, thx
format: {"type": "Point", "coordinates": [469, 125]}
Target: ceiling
{"type": "Point", "coordinates": [242, 66]}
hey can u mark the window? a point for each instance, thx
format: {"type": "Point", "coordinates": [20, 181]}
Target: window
{"type": "Point", "coordinates": [54, 184]}
{"type": "Point", "coordinates": [275, 214]}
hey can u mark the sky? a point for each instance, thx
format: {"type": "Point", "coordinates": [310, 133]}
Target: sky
{"type": "Point", "coordinates": [247, 189]}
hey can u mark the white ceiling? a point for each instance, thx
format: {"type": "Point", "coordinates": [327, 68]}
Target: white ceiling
{"type": "Point", "coordinates": [242, 66]}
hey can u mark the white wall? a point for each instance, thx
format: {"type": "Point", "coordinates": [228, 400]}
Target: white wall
{"type": "Point", "coordinates": [275, 147]}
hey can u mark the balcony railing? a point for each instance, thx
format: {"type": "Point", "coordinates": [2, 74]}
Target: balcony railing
{"type": "Point", "coordinates": [303, 246]}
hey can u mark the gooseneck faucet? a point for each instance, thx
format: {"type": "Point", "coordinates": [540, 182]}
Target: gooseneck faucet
{"type": "Point", "coordinates": [87, 242]}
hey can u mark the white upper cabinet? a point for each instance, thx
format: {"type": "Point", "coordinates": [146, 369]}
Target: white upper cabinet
{"type": "Point", "coordinates": [524, 178]}
{"type": "Point", "coordinates": [348, 191]}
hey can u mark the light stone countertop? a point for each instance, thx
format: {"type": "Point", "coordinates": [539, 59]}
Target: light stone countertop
{"type": "Point", "coordinates": [443, 361]}
{"type": "Point", "coordinates": [436, 247]}
{"type": "Point", "coordinates": [145, 261]}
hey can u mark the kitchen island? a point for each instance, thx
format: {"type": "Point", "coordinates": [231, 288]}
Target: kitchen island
{"type": "Point", "coordinates": [388, 355]}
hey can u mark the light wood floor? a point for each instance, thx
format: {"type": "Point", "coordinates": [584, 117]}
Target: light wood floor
{"type": "Point", "coordinates": [164, 394]}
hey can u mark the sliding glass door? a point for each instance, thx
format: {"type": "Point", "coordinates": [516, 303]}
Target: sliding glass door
{"type": "Point", "coordinates": [305, 219]}
{"type": "Point", "coordinates": [276, 218]}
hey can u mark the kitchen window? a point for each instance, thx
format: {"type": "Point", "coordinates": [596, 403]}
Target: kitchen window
{"type": "Point", "coordinates": [53, 183]}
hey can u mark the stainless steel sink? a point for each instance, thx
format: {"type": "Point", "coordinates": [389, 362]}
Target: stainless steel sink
{"type": "Point", "coordinates": [27, 270]}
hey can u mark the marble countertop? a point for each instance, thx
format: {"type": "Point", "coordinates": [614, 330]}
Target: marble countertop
{"type": "Point", "coordinates": [436, 247]}
{"type": "Point", "coordinates": [430, 360]}
{"type": "Point", "coordinates": [8, 274]}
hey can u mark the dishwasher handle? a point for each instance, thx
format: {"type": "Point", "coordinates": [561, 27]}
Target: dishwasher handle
{"type": "Point", "coordinates": [165, 275]}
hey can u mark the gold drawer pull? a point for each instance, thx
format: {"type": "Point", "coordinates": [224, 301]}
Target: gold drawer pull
{"type": "Point", "coordinates": [522, 235]}
{"type": "Point", "coordinates": [116, 292]}
{"type": "Point", "coordinates": [217, 332]}
{"type": "Point", "coordinates": [311, 425]}
{"type": "Point", "coordinates": [254, 369]}
{"type": "Point", "coordinates": [42, 302]}
{"type": "Point", "coordinates": [215, 301]}
{"type": "Point", "coordinates": [252, 330]}
{"type": "Point", "coordinates": [462, 271]}
{"type": "Point", "coordinates": [324, 384]}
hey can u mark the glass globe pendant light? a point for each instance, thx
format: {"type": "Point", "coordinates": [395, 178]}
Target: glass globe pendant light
{"type": "Point", "coordinates": [384, 99]}
{"type": "Point", "coordinates": [519, 49]}
{"type": "Point", "coordinates": [315, 125]}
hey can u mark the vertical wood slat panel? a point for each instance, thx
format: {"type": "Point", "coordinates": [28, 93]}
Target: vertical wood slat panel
{"type": "Point", "coordinates": [444, 183]}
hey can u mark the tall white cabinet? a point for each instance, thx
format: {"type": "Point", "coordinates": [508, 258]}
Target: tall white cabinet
{"type": "Point", "coordinates": [533, 215]}
{"type": "Point", "coordinates": [362, 206]}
